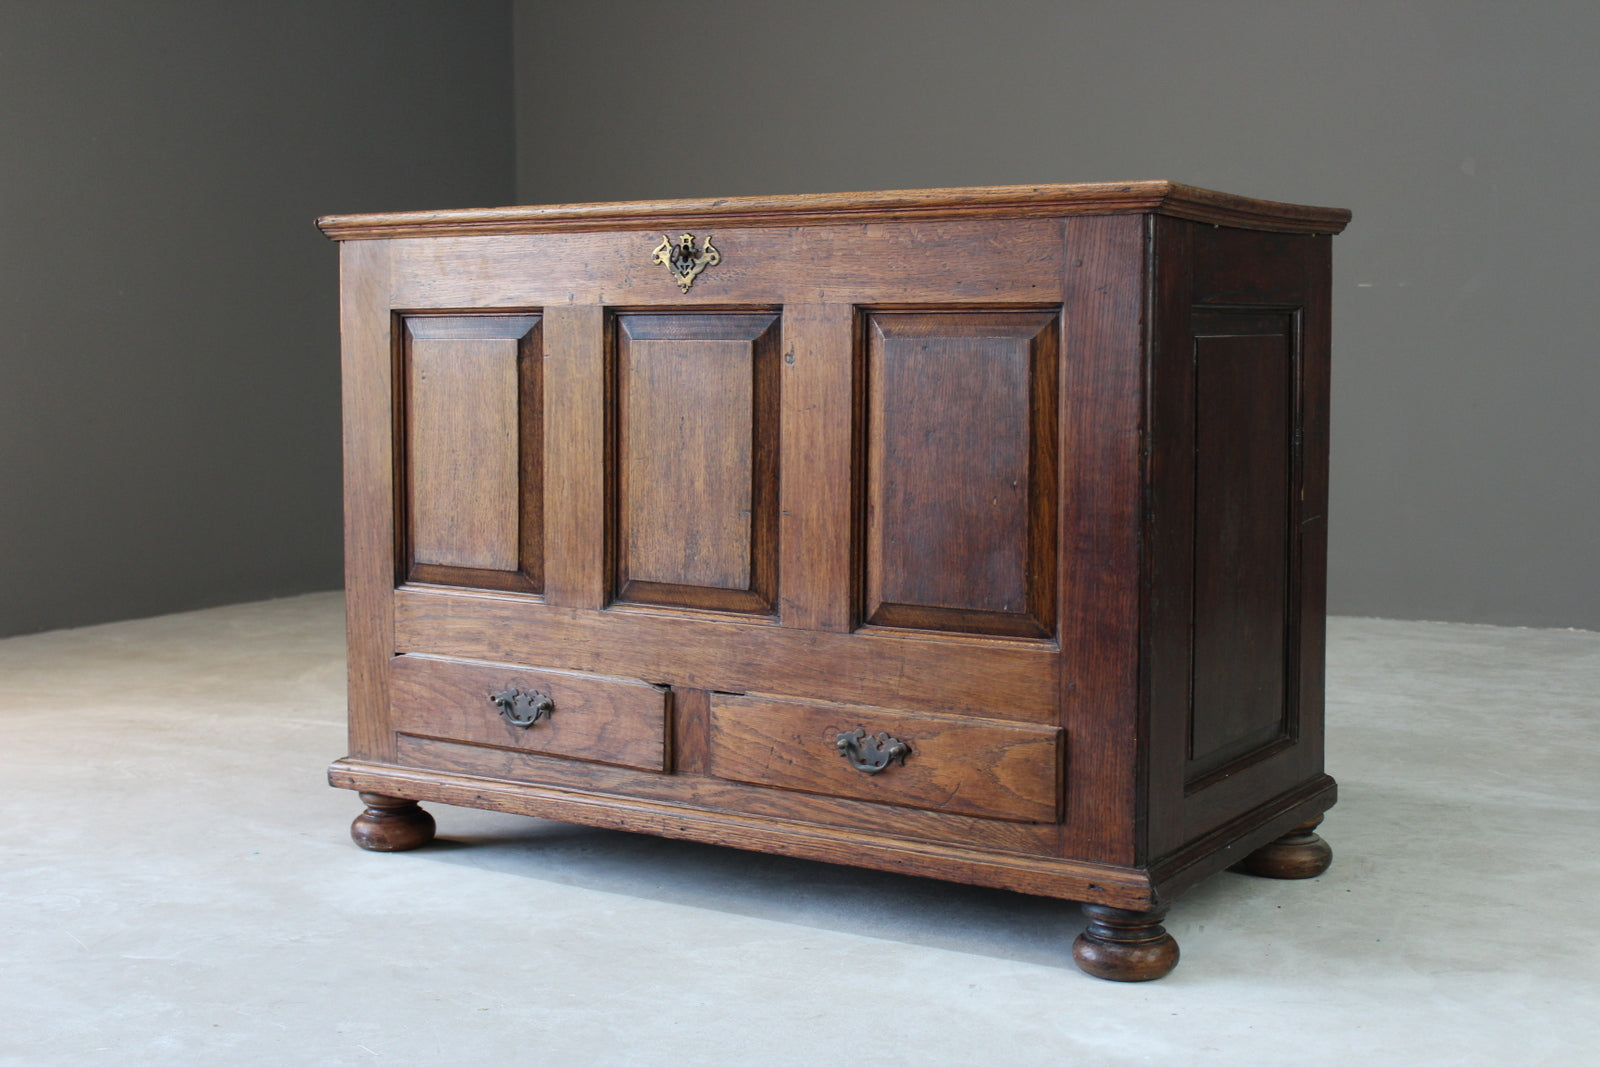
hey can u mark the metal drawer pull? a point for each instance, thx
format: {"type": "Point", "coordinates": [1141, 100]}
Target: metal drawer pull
{"type": "Point", "coordinates": [871, 753]}
{"type": "Point", "coordinates": [521, 708]}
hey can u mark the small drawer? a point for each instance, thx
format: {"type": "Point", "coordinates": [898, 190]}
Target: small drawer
{"type": "Point", "coordinates": [552, 713]}
{"type": "Point", "coordinates": [964, 766]}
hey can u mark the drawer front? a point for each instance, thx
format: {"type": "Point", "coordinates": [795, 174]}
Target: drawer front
{"type": "Point", "coordinates": [603, 720]}
{"type": "Point", "coordinates": [963, 766]}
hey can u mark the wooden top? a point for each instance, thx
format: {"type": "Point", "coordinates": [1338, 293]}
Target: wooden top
{"type": "Point", "coordinates": [1000, 201]}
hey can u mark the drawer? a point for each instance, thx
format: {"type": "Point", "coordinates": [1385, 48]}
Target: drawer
{"type": "Point", "coordinates": [604, 720]}
{"type": "Point", "coordinates": [960, 765]}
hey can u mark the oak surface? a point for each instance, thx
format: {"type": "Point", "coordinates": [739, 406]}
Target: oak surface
{"type": "Point", "coordinates": [978, 534]}
{"type": "Point", "coordinates": [969, 766]}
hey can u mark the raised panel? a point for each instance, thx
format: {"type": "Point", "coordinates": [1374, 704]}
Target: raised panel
{"type": "Point", "coordinates": [472, 427]}
{"type": "Point", "coordinates": [696, 492]}
{"type": "Point", "coordinates": [960, 483]}
{"type": "Point", "coordinates": [1244, 448]}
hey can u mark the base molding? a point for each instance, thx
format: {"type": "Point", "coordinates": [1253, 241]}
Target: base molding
{"type": "Point", "coordinates": [1075, 880]}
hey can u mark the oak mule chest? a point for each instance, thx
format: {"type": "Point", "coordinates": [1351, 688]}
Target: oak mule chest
{"type": "Point", "coordinates": [969, 533]}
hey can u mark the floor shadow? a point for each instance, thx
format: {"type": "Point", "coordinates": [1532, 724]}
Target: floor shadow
{"type": "Point", "coordinates": [920, 911]}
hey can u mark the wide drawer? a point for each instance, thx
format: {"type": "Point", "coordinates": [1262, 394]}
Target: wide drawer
{"type": "Point", "coordinates": [577, 716]}
{"type": "Point", "coordinates": [960, 765]}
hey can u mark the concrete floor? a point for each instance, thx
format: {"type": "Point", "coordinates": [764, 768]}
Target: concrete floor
{"type": "Point", "coordinates": [177, 887]}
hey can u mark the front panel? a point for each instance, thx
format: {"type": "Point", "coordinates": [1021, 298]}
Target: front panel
{"type": "Point", "coordinates": [705, 517]}
{"type": "Point", "coordinates": [960, 488]}
{"type": "Point", "coordinates": [472, 410]}
{"type": "Point", "coordinates": [695, 494]}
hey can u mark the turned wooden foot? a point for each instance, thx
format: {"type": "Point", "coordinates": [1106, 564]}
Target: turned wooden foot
{"type": "Point", "coordinates": [1125, 946]}
{"type": "Point", "coordinates": [1300, 853]}
{"type": "Point", "coordinates": [391, 824]}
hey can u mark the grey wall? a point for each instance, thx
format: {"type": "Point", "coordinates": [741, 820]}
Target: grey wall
{"type": "Point", "coordinates": [168, 326]}
{"type": "Point", "coordinates": [1466, 481]}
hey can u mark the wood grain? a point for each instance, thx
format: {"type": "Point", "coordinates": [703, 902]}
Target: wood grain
{"type": "Point", "coordinates": [922, 205]}
{"type": "Point", "coordinates": [1000, 679]}
{"type": "Point", "coordinates": [462, 445]}
{"type": "Point", "coordinates": [1102, 396]}
{"type": "Point", "coordinates": [691, 731]}
{"type": "Point", "coordinates": [696, 487]}
{"type": "Point", "coordinates": [473, 417]}
{"type": "Point", "coordinates": [958, 262]}
{"type": "Point", "coordinates": [817, 542]}
{"type": "Point", "coordinates": [369, 506]}
{"type": "Point", "coordinates": [606, 720]}
{"type": "Point", "coordinates": [982, 470]}
{"type": "Point", "coordinates": [1244, 392]}
{"type": "Point", "coordinates": [969, 766]}
{"type": "Point", "coordinates": [717, 794]}
{"type": "Point", "coordinates": [576, 460]}
{"type": "Point", "coordinates": [861, 845]}
{"type": "Point", "coordinates": [1206, 645]}
{"type": "Point", "coordinates": [960, 491]}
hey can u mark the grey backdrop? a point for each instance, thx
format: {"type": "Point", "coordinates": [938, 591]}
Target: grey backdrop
{"type": "Point", "coordinates": [168, 312]}
{"type": "Point", "coordinates": [1466, 456]}
{"type": "Point", "coordinates": [168, 338]}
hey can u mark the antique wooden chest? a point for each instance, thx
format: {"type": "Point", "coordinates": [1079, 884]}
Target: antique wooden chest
{"type": "Point", "coordinates": [970, 533]}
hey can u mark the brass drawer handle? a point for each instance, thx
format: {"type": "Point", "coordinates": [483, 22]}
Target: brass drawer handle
{"type": "Point", "coordinates": [522, 708]}
{"type": "Point", "coordinates": [871, 753]}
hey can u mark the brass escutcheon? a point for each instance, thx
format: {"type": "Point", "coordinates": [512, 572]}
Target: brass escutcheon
{"type": "Point", "coordinates": [683, 260]}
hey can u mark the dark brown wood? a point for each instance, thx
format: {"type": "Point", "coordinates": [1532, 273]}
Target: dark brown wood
{"type": "Point", "coordinates": [696, 488]}
{"type": "Point", "coordinates": [919, 672]}
{"type": "Point", "coordinates": [1300, 853]}
{"type": "Point", "coordinates": [1125, 946]}
{"type": "Point", "coordinates": [606, 720]}
{"type": "Point", "coordinates": [880, 844]}
{"type": "Point", "coordinates": [473, 450]}
{"type": "Point", "coordinates": [876, 265]}
{"type": "Point", "coordinates": [977, 534]}
{"type": "Point", "coordinates": [1246, 376]}
{"type": "Point", "coordinates": [1102, 389]}
{"type": "Point", "coordinates": [960, 444]}
{"type": "Point", "coordinates": [391, 824]}
{"type": "Point", "coordinates": [970, 766]}
{"type": "Point", "coordinates": [1236, 580]}
{"type": "Point", "coordinates": [682, 793]}
{"type": "Point", "coordinates": [921, 205]}
{"type": "Point", "coordinates": [1247, 831]}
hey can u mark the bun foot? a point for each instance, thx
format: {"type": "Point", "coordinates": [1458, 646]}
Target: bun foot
{"type": "Point", "coordinates": [1300, 853]}
{"type": "Point", "coordinates": [1125, 946]}
{"type": "Point", "coordinates": [391, 824]}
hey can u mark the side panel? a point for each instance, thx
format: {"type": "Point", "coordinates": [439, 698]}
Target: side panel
{"type": "Point", "coordinates": [1238, 410]}
{"type": "Point", "coordinates": [1245, 372]}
